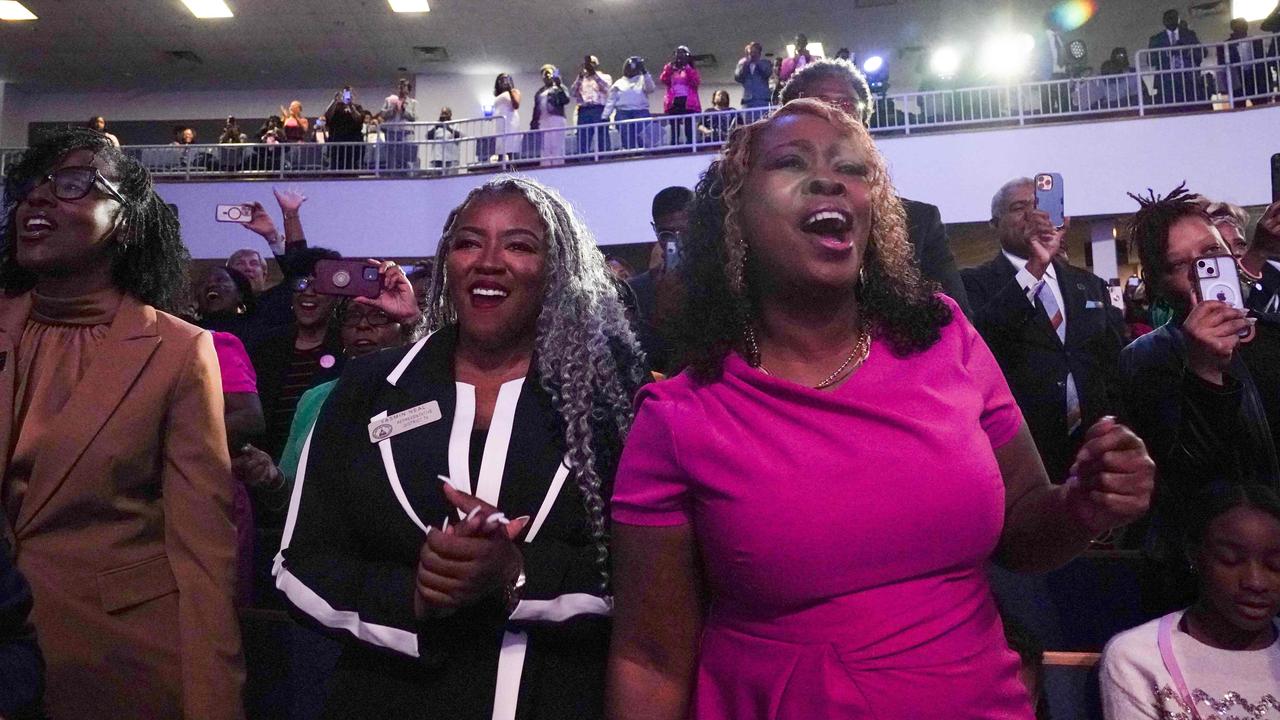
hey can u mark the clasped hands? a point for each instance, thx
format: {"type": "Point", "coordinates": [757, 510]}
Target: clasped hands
{"type": "Point", "coordinates": [467, 561]}
{"type": "Point", "coordinates": [1112, 479]}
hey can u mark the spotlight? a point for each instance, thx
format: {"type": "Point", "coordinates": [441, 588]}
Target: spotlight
{"type": "Point", "coordinates": [1079, 51]}
{"type": "Point", "coordinates": [877, 72]}
{"type": "Point", "coordinates": [945, 62]}
{"type": "Point", "coordinates": [1007, 55]}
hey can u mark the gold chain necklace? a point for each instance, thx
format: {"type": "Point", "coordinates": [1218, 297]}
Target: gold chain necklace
{"type": "Point", "coordinates": [861, 350]}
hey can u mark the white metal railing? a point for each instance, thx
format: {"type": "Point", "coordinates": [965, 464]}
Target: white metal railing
{"type": "Point", "coordinates": [1226, 75]}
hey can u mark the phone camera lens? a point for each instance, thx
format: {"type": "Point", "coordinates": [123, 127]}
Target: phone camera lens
{"type": "Point", "coordinates": [341, 279]}
{"type": "Point", "coordinates": [371, 273]}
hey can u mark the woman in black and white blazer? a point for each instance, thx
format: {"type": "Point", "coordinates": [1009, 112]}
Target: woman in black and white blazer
{"type": "Point", "coordinates": [519, 398]}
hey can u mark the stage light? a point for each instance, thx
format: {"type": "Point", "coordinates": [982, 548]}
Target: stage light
{"type": "Point", "coordinates": [1007, 55]}
{"type": "Point", "coordinates": [13, 10]}
{"type": "Point", "coordinates": [1252, 10]}
{"type": "Point", "coordinates": [815, 49]}
{"type": "Point", "coordinates": [205, 9]}
{"type": "Point", "coordinates": [1079, 51]}
{"type": "Point", "coordinates": [873, 65]}
{"type": "Point", "coordinates": [409, 6]}
{"type": "Point", "coordinates": [945, 62]}
{"type": "Point", "coordinates": [1072, 14]}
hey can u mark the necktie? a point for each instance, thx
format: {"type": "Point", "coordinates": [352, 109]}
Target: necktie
{"type": "Point", "coordinates": [1046, 301]}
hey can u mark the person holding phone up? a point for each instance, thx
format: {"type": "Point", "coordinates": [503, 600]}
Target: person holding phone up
{"type": "Point", "coordinates": [1050, 325]}
{"type": "Point", "coordinates": [682, 81]}
{"type": "Point", "coordinates": [345, 120]}
{"type": "Point", "coordinates": [1206, 399]}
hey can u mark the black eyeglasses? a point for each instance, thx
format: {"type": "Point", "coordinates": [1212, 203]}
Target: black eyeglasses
{"type": "Point", "coordinates": [74, 183]}
{"type": "Point", "coordinates": [376, 318]}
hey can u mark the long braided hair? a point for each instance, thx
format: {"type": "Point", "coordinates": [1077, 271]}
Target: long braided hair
{"type": "Point", "coordinates": [587, 356]}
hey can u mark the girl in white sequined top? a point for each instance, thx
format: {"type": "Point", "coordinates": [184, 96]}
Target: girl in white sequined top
{"type": "Point", "coordinates": [1219, 658]}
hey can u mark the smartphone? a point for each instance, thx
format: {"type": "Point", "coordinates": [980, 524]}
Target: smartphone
{"type": "Point", "coordinates": [1216, 278]}
{"type": "Point", "coordinates": [1049, 197]}
{"type": "Point", "coordinates": [346, 96]}
{"type": "Point", "coordinates": [233, 213]}
{"type": "Point", "coordinates": [671, 255]}
{"type": "Point", "coordinates": [348, 278]}
{"type": "Point", "coordinates": [1275, 178]}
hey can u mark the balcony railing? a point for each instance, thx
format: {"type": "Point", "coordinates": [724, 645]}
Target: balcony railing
{"type": "Point", "coordinates": [1220, 76]}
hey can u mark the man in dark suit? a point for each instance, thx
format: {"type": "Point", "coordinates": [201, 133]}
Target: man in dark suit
{"type": "Point", "coordinates": [21, 667]}
{"type": "Point", "coordinates": [1050, 325]}
{"type": "Point", "coordinates": [654, 292]}
{"type": "Point", "coordinates": [1177, 87]}
{"type": "Point", "coordinates": [840, 83]}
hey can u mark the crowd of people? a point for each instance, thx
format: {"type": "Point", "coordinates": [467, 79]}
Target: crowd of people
{"type": "Point", "coordinates": [762, 478]}
{"type": "Point", "coordinates": [602, 107]}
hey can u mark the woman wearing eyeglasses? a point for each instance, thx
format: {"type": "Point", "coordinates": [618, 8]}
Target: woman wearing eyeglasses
{"type": "Point", "coordinates": [115, 468]}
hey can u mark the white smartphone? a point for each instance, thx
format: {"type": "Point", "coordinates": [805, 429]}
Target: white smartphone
{"type": "Point", "coordinates": [1217, 278]}
{"type": "Point", "coordinates": [234, 213]}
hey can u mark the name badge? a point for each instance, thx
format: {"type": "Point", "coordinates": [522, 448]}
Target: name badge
{"type": "Point", "coordinates": [404, 421]}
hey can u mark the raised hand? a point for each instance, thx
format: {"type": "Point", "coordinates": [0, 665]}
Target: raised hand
{"type": "Point", "coordinates": [1044, 243]}
{"type": "Point", "coordinates": [1212, 329]}
{"type": "Point", "coordinates": [289, 200]}
{"type": "Point", "coordinates": [261, 223]}
{"type": "Point", "coordinates": [397, 299]}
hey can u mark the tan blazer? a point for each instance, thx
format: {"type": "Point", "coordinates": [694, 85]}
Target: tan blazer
{"type": "Point", "coordinates": [126, 533]}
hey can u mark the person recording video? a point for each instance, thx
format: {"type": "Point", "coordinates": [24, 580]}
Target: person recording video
{"type": "Point", "coordinates": [345, 120]}
{"type": "Point", "coordinates": [682, 81]}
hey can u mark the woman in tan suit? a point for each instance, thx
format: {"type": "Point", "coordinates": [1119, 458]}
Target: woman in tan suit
{"type": "Point", "coordinates": [114, 475]}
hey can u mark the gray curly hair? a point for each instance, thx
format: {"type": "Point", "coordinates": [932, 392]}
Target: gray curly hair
{"type": "Point", "coordinates": [586, 353]}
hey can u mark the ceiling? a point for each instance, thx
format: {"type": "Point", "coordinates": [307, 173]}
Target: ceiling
{"type": "Point", "coordinates": [122, 44]}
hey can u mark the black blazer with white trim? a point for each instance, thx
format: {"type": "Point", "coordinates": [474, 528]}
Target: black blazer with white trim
{"type": "Point", "coordinates": [359, 515]}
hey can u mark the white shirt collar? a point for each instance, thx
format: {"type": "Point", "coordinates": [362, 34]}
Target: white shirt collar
{"type": "Point", "coordinates": [1020, 264]}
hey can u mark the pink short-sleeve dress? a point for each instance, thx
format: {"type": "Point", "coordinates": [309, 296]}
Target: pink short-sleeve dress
{"type": "Point", "coordinates": [238, 376]}
{"type": "Point", "coordinates": [843, 533]}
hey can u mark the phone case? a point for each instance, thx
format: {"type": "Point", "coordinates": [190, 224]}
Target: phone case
{"type": "Point", "coordinates": [233, 213]}
{"type": "Point", "coordinates": [1049, 197]}
{"type": "Point", "coordinates": [1216, 278]}
{"type": "Point", "coordinates": [347, 278]}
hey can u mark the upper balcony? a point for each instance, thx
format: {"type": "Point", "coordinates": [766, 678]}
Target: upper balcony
{"type": "Point", "coordinates": [1201, 114]}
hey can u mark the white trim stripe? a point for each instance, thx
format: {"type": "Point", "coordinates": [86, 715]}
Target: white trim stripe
{"type": "Point", "coordinates": [506, 692]}
{"type": "Point", "coordinates": [464, 415]}
{"type": "Point", "coordinates": [291, 517]}
{"type": "Point", "coordinates": [403, 365]}
{"type": "Point", "coordinates": [557, 482]}
{"type": "Point", "coordinates": [494, 462]}
{"type": "Point", "coordinates": [563, 608]}
{"type": "Point", "coordinates": [389, 464]}
{"type": "Point", "coordinates": [306, 600]}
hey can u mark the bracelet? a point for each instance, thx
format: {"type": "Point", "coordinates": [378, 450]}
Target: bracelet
{"type": "Point", "coordinates": [291, 216]}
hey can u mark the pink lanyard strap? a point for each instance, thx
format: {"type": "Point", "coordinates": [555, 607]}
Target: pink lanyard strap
{"type": "Point", "coordinates": [1164, 640]}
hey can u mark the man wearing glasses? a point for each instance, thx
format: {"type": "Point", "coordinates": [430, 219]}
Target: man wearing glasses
{"type": "Point", "coordinates": [839, 83]}
{"type": "Point", "coordinates": [656, 292]}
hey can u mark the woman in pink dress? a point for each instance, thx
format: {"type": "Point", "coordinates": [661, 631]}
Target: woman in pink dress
{"type": "Point", "coordinates": [802, 517]}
